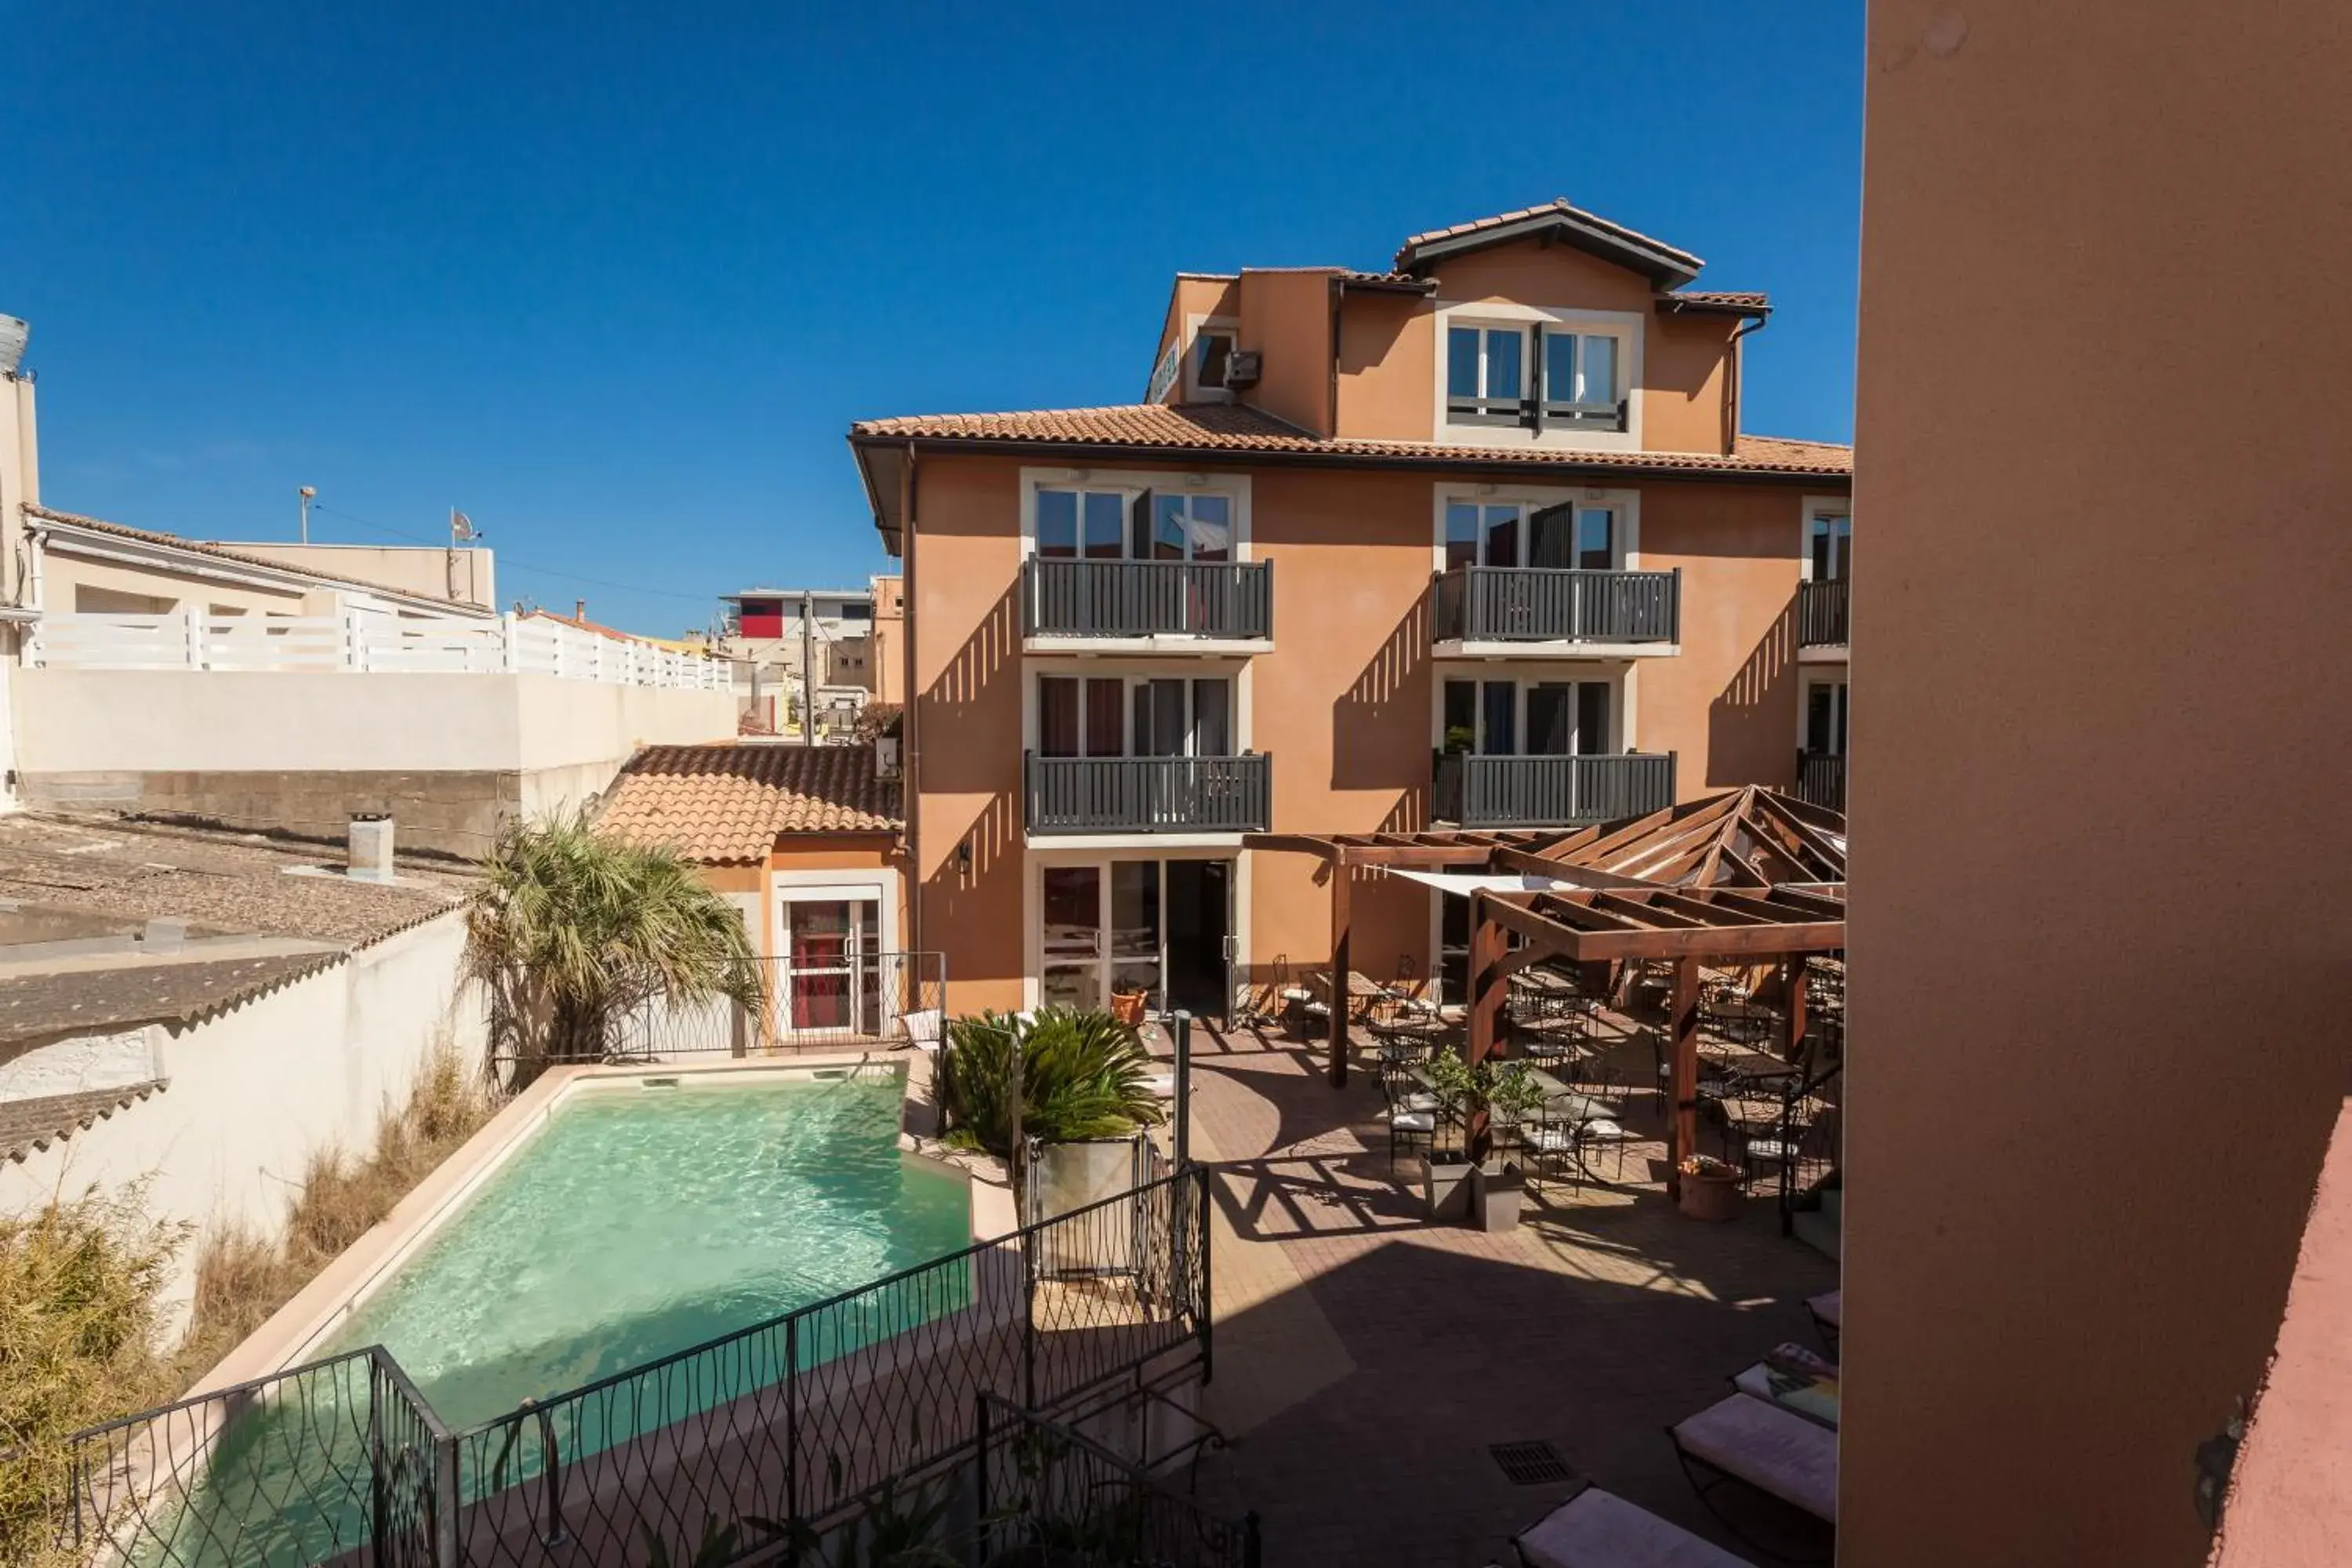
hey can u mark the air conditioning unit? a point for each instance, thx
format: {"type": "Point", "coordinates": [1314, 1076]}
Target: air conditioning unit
{"type": "Point", "coordinates": [1242, 368]}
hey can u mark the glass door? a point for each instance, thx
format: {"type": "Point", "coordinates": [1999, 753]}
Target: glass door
{"type": "Point", "coordinates": [832, 979]}
{"type": "Point", "coordinates": [1831, 542]}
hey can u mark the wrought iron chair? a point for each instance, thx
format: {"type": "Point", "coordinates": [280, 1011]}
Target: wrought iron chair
{"type": "Point", "coordinates": [1411, 1117]}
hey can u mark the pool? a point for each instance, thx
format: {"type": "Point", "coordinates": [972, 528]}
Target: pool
{"type": "Point", "coordinates": [648, 1215]}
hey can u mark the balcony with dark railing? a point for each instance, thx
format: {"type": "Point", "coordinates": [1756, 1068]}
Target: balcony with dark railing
{"type": "Point", "coordinates": [1822, 613]}
{"type": "Point", "coordinates": [1137, 601]}
{"type": "Point", "coordinates": [1821, 779]}
{"type": "Point", "coordinates": [1523, 604]}
{"type": "Point", "coordinates": [1148, 795]}
{"type": "Point", "coordinates": [1551, 792]}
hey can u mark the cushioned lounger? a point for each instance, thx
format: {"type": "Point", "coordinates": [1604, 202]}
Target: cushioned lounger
{"type": "Point", "coordinates": [1601, 1530]}
{"type": "Point", "coordinates": [1828, 1309]}
{"type": "Point", "coordinates": [1766, 1447]}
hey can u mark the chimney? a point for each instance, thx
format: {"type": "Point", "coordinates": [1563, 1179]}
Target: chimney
{"type": "Point", "coordinates": [370, 847]}
{"type": "Point", "coordinates": [579, 609]}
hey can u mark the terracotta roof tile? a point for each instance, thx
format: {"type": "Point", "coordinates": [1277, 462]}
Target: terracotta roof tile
{"type": "Point", "coordinates": [226, 552]}
{"type": "Point", "coordinates": [1558, 204]}
{"type": "Point", "coordinates": [1738, 302]}
{"type": "Point", "coordinates": [1217, 427]}
{"type": "Point", "coordinates": [729, 802]}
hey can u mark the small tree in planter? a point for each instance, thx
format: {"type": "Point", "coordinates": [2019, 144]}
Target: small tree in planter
{"type": "Point", "coordinates": [1508, 1092]}
{"type": "Point", "coordinates": [1058, 1077]}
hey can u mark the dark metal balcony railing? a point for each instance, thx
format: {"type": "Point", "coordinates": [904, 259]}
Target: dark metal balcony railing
{"type": "Point", "coordinates": [1821, 779]}
{"type": "Point", "coordinates": [1227, 599]}
{"type": "Point", "coordinates": [1542, 603]}
{"type": "Point", "coordinates": [1148, 794]}
{"type": "Point", "coordinates": [1822, 613]}
{"type": "Point", "coordinates": [1551, 792]}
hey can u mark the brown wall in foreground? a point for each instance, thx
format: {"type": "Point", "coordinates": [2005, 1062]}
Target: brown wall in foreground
{"type": "Point", "coordinates": [2098, 935]}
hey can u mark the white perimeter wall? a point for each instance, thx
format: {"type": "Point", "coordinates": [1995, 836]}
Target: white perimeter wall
{"type": "Point", "coordinates": [255, 1090]}
{"type": "Point", "coordinates": [194, 720]}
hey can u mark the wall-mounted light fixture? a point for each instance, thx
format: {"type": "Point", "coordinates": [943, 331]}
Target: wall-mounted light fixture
{"type": "Point", "coordinates": [963, 855]}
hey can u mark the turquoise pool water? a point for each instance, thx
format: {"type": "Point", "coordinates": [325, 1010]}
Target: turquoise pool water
{"type": "Point", "coordinates": [642, 1220]}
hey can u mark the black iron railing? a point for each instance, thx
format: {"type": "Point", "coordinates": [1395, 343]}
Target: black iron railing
{"type": "Point", "coordinates": [1232, 600]}
{"type": "Point", "coordinates": [336, 1459]}
{"type": "Point", "coordinates": [1505, 603]}
{"type": "Point", "coordinates": [1821, 779]}
{"type": "Point", "coordinates": [814, 1001]}
{"type": "Point", "coordinates": [789, 1427]}
{"type": "Point", "coordinates": [1044, 1492]}
{"type": "Point", "coordinates": [1148, 795]}
{"type": "Point", "coordinates": [1822, 613]}
{"type": "Point", "coordinates": [1810, 1137]}
{"type": "Point", "coordinates": [1550, 792]}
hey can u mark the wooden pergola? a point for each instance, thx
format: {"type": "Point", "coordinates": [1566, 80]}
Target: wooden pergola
{"type": "Point", "coordinates": [1746, 876]}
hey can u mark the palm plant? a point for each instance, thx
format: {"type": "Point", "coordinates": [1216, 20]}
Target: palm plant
{"type": "Point", "coordinates": [572, 928]}
{"type": "Point", "coordinates": [1072, 1076]}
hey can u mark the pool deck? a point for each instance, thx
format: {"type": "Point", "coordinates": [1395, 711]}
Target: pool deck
{"type": "Point", "coordinates": [294, 1332]}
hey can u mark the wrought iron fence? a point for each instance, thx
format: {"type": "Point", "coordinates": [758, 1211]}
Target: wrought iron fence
{"type": "Point", "coordinates": [789, 1427]}
{"type": "Point", "coordinates": [800, 1421]}
{"type": "Point", "coordinates": [332, 1460]}
{"type": "Point", "coordinates": [847, 998]}
{"type": "Point", "coordinates": [1045, 1492]}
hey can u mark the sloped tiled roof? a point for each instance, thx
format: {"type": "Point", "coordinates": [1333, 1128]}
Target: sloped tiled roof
{"type": "Point", "coordinates": [37, 1122]}
{"type": "Point", "coordinates": [1210, 427]}
{"type": "Point", "coordinates": [1722, 301]}
{"type": "Point", "coordinates": [723, 803]}
{"type": "Point", "coordinates": [1558, 215]}
{"type": "Point", "coordinates": [246, 558]}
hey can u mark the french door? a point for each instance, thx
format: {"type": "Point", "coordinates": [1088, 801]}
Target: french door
{"type": "Point", "coordinates": [1160, 927]}
{"type": "Point", "coordinates": [831, 981]}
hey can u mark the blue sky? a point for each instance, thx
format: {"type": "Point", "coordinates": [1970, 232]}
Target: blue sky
{"type": "Point", "coordinates": [615, 280]}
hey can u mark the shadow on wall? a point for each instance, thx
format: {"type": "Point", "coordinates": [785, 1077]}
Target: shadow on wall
{"type": "Point", "coordinates": [978, 694]}
{"type": "Point", "coordinates": [978, 690]}
{"type": "Point", "coordinates": [1388, 693]}
{"type": "Point", "coordinates": [1751, 735]}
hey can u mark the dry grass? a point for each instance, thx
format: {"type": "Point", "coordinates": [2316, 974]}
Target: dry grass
{"type": "Point", "coordinates": [79, 1287]}
{"type": "Point", "coordinates": [242, 1279]}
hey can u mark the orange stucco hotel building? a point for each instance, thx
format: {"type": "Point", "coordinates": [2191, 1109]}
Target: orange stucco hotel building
{"type": "Point", "coordinates": [1476, 540]}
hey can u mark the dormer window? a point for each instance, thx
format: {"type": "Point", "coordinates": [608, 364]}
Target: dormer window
{"type": "Point", "coordinates": [1210, 350]}
{"type": "Point", "coordinates": [1208, 357]}
{"type": "Point", "coordinates": [1543, 372]}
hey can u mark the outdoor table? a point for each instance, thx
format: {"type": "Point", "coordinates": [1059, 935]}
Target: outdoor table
{"type": "Point", "coordinates": [1572, 1105]}
{"type": "Point", "coordinates": [1361, 992]}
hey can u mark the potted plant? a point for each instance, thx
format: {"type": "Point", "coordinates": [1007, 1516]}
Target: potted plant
{"type": "Point", "coordinates": [1710, 1189]}
{"type": "Point", "coordinates": [1127, 1006]}
{"type": "Point", "coordinates": [1447, 1181]}
{"type": "Point", "coordinates": [1512, 1097]}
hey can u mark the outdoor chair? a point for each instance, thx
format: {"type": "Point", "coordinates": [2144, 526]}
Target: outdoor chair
{"type": "Point", "coordinates": [922, 1028]}
{"type": "Point", "coordinates": [1413, 1118]}
{"type": "Point", "coordinates": [1763, 1447]}
{"type": "Point", "coordinates": [1551, 1148]}
{"type": "Point", "coordinates": [1595, 1529]}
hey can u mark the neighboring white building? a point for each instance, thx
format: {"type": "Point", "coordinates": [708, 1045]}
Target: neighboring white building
{"type": "Point", "coordinates": [289, 686]}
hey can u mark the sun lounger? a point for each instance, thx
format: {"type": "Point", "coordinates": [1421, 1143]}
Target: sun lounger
{"type": "Point", "coordinates": [1773, 1451]}
{"type": "Point", "coordinates": [1794, 1378]}
{"type": "Point", "coordinates": [1829, 1316]}
{"type": "Point", "coordinates": [1601, 1530]}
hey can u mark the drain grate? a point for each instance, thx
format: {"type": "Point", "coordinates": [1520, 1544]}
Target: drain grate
{"type": "Point", "coordinates": [1530, 1464]}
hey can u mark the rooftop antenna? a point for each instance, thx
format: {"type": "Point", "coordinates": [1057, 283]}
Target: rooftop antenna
{"type": "Point", "coordinates": [308, 495]}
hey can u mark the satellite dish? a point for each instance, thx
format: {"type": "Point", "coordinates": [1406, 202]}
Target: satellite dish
{"type": "Point", "coordinates": [13, 333]}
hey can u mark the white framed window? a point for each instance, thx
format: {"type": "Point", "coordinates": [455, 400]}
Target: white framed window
{"type": "Point", "coordinates": [1588, 535]}
{"type": "Point", "coordinates": [1829, 544]}
{"type": "Point", "coordinates": [1822, 717]}
{"type": "Point", "coordinates": [1491, 716]}
{"type": "Point", "coordinates": [1210, 343]}
{"type": "Point", "coordinates": [1093, 515]}
{"type": "Point", "coordinates": [1515, 374]}
{"type": "Point", "coordinates": [1136, 716]}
